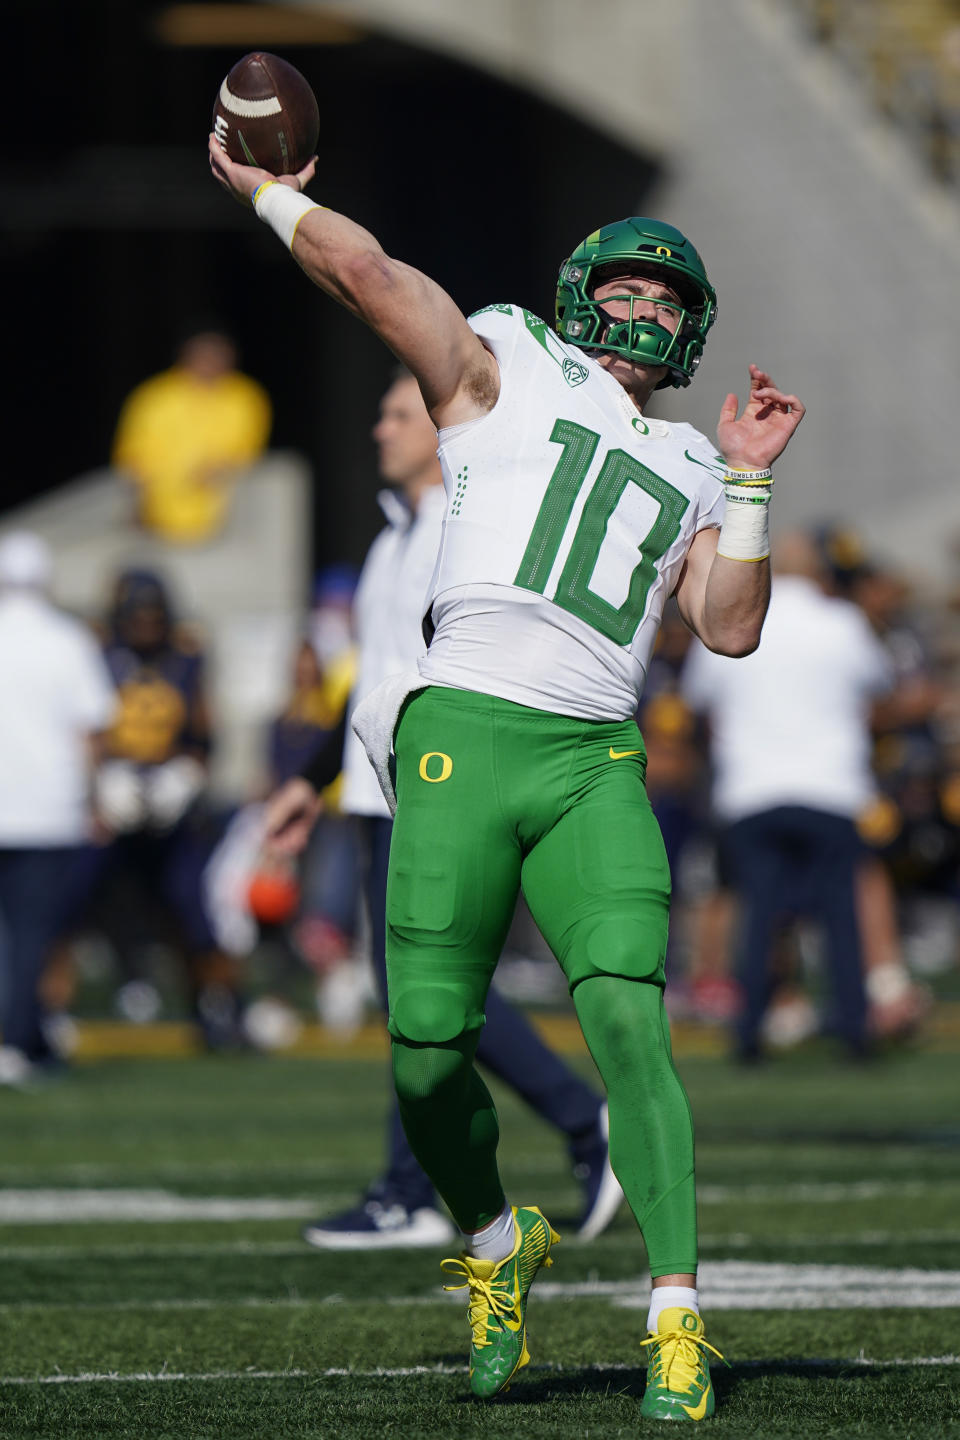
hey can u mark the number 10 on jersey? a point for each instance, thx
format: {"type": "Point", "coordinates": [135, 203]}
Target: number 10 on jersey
{"type": "Point", "coordinates": [619, 469]}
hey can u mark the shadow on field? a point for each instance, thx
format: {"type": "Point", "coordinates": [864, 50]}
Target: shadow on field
{"type": "Point", "coordinates": [533, 1388]}
{"type": "Point", "coordinates": [727, 1380]}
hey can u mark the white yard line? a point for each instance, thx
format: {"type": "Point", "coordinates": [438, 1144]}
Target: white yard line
{"type": "Point", "coordinates": [740, 1240]}
{"type": "Point", "coordinates": [54, 1207]}
{"type": "Point", "coordinates": [825, 1192]}
{"type": "Point", "coordinates": [402, 1372]}
{"type": "Point", "coordinates": [723, 1285]}
{"type": "Point", "coordinates": [280, 1249]}
{"type": "Point", "coordinates": [48, 1205]}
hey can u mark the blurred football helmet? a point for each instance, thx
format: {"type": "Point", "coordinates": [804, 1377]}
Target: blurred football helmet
{"type": "Point", "coordinates": [649, 247]}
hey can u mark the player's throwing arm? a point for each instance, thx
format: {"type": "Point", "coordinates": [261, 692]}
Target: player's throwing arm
{"type": "Point", "coordinates": [413, 315]}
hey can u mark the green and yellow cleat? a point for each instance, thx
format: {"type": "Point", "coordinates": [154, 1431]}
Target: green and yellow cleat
{"type": "Point", "coordinates": [678, 1374]}
{"type": "Point", "coordinates": [497, 1303]}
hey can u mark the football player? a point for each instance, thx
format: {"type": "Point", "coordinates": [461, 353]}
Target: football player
{"type": "Point", "coordinates": [511, 755]}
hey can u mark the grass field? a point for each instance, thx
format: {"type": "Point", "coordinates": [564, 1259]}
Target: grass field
{"type": "Point", "coordinates": [152, 1280]}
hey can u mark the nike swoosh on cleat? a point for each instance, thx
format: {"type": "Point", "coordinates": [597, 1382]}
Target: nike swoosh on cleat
{"type": "Point", "coordinates": [697, 1412]}
{"type": "Point", "coordinates": [619, 754]}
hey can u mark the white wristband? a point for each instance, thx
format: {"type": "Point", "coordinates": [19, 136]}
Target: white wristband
{"type": "Point", "coordinates": [748, 477]}
{"type": "Point", "coordinates": [745, 532]}
{"type": "Point", "coordinates": [282, 208]}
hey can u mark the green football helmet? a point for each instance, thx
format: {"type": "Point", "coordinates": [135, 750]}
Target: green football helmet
{"type": "Point", "coordinates": [653, 247]}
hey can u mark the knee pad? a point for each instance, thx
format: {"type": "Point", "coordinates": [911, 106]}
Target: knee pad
{"type": "Point", "coordinates": [618, 945]}
{"type": "Point", "coordinates": [431, 1015]}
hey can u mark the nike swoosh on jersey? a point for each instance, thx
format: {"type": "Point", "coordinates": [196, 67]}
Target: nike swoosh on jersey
{"type": "Point", "coordinates": [717, 466]}
{"type": "Point", "coordinates": [697, 1412]}
{"type": "Point", "coordinates": [619, 754]}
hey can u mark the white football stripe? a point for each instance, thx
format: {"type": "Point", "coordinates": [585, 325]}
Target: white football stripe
{"type": "Point", "coordinates": [723, 1285]}
{"type": "Point", "coordinates": [825, 1192]}
{"type": "Point", "coordinates": [52, 1207]}
{"type": "Point", "coordinates": [49, 1205]}
{"type": "Point", "coordinates": [292, 1248]}
{"type": "Point", "coordinates": [247, 109]}
{"type": "Point", "coordinates": [402, 1372]}
{"type": "Point", "coordinates": [746, 1285]}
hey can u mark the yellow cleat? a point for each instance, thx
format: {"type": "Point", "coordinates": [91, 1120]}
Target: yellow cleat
{"type": "Point", "coordinates": [497, 1302]}
{"type": "Point", "coordinates": [678, 1374]}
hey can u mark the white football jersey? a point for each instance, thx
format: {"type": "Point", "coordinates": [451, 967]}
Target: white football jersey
{"type": "Point", "coordinates": [568, 519]}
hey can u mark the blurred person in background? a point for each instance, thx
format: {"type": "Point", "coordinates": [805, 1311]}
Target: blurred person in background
{"type": "Point", "coordinates": [910, 844]}
{"type": "Point", "coordinates": [791, 747]}
{"type": "Point", "coordinates": [184, 438]}
{"type": "Point", "coordinates": [325, 928]}
{"type": "Point", "coordinates": [150, 786]}
{"type": "Point", "coordinates": [58, 699]}
{"type": "Point", "coordinates": [400, 1207]}
{"type": "Point", "coordinates": [330, 626]}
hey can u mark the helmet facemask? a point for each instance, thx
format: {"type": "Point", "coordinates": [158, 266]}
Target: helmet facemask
{"type": "Point", "coordinates": [630, 246]}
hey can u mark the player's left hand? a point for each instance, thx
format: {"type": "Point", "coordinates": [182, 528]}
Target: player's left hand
{"type": "Point", "coordinates": [769, 418]}
{"type": "Point", "coordinates": [240, 181]}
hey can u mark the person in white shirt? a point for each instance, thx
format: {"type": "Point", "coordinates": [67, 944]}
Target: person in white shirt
{"type": "Point", "coordinates": [511, 753]}
{"type": "Point", "coordinates": [791, 747]}
{"type": "Point", "coordinates": [58, 699]}
{"type": "Point", "coordinates": [399, 1208]}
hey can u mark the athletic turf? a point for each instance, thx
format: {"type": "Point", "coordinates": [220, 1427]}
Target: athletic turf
{"type": "Point", "coordinates": [185, 1305]}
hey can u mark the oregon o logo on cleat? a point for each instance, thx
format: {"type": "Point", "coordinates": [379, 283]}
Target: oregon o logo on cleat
{"type": "Point", "coordinates": [446, 767]}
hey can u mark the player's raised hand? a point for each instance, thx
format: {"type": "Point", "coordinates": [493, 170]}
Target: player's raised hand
{"type": "Point", "coordinates": [290, 816]}
{"type": "Point", "coordinates": [241, 181]}
{"type": "Point", "coordinates": [760, 434]}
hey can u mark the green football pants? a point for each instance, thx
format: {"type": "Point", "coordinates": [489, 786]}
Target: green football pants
{"type": "Point", "coordinates": [491, 796]}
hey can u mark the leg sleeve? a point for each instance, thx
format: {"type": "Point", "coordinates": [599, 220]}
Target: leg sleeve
{"type": "Point", "coordinates": [651, 1130]}
{"type": "Point", "coordinates": [599, 888]}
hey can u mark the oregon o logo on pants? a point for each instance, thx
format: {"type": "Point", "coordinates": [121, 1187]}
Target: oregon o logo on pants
{"type": "Point", "coordinates": [446, 766]}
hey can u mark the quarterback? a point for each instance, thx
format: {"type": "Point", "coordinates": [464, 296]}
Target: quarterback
{"type": "Point", "coordinates": [513, 756]}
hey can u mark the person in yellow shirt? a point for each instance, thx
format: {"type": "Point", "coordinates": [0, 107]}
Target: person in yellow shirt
{"type": "Point", "coordinates": [184, 435]}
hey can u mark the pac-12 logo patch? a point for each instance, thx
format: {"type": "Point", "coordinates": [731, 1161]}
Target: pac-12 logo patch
{"type": "Point", "coordinates": [573, 372]}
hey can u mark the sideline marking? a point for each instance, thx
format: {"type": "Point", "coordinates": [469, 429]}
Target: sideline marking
{"type": "Point", "coordinates": [402, 1372]}
{"type": "Point", "coordinates": [52, 1207]}
{"type": "Point", "coordinates": [290, 1249]}
{"type": "Point", "coordinates": [826, 1192]}
{"type": "Point", "coordinates": [49, 1205]}
{"type": "Point", "coordinates": [723, 1284]}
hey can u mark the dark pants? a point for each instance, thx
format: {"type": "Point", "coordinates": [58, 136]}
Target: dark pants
{"type": "Point", "coordinates": [31, 916]}
{"type": "Point", "coordinates": [142, 876]}
{"type": "Point", "coordinates": [793, 861]}
{"type": "Point", "coordinates": [509, 1047]}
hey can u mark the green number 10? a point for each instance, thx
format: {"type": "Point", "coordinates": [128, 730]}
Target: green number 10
{"type": "Point", "coordinates": [617, 472]}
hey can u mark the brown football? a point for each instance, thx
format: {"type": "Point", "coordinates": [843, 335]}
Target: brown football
{"type": "Point", "coordinates": [266, 115]}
